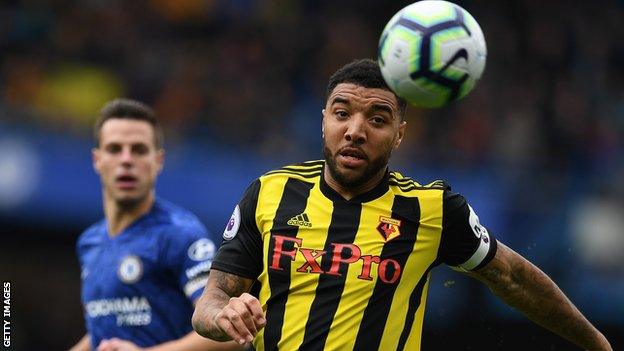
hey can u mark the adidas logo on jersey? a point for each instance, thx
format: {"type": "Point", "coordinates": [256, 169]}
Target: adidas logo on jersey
{"type": "Point", "coordinates": [301, 220]}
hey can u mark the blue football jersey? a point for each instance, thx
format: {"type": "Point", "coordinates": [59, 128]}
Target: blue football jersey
{"type": "Point", "coordinates": [141, 284]}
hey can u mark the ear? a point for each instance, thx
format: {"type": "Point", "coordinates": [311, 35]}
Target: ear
{"type": "Point", "coordinates": [95, 158]}
{"type": "Point", "coordinates": [400, 134]}
{"type": "Point", "coordinates": [160, 159]}
{"type": "Point", "coordinates": [323, 113]}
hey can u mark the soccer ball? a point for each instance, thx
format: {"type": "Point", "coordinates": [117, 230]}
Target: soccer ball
{"type": "Point", "coordinates": [432, 53]}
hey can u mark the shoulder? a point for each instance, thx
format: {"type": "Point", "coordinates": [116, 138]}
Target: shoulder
{"type": "Point", "coordinates": [407, 186]}
{"type": "Point", "coordinates": [306, 171]}
{"type": "Point", "coordinates": [172, 219]}
{"type": "Point", "coordinates": [170, 214]}
{"type": "Point", "coordinates": [181, 232]}
{"type": "Point", "coordinates": [92, 235]}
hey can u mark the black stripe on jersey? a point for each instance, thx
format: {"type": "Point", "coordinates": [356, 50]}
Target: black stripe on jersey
{"type": "Point", "coordinates": [342, 229]}
{"type": "Point", "coordinates": [405, 181]}
{"type": "Point", "coordinates": [402, 180]}
{"type": "Point", "coordinates": [293, 202]}
{"type": "Point", "coordinates": [304, 175]}
{"type": "Point", "coordinates": [406, 188]}
{"type": "Point", "coordinates": [377, 311]}
{"type": "Point", "coordinates": [414, 303]}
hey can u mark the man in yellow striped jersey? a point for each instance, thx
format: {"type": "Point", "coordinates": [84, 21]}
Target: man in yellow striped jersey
{"type": "Point", "coordinates": [342, 249]}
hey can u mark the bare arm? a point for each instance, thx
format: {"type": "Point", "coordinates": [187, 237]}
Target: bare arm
{"type": "Point", "coordinates": [225, 311]}
{"type": "Point", "coordinates": [525, 287]}
{"type": "Point", "coordinates": [83, 345]}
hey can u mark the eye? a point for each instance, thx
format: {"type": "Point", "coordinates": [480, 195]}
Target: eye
{"type": "Point", "coordinates": [113, 148]}
{"type": "Point", "coordinates": [342, 114]}
{"type": "Point", "coordinates": [140, 149]}
{"type": "Point", "coordinates": [378, 120]}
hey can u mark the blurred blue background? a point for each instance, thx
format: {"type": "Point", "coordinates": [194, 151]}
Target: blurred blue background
{"type": "Point", "coordinates": [537, 147]}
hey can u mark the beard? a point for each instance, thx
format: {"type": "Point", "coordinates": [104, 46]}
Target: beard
{"type": "Point", "coordinates": [371, 169]}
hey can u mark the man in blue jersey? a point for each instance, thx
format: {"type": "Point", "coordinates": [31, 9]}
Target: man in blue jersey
{"type": "Point", "coordinates": [144, 264]}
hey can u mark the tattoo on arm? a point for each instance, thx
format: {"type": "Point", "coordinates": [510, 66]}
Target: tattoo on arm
{"type": "Point", "coordinates": [230, 284]}
{"type": "Point", "coordinates": [488, 274]}
{"type": "Point", "coordinates": [220, 288]}
{"type": "Point", "coordinates": [524, 286]}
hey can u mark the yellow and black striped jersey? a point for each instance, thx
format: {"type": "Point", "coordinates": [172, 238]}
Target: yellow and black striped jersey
{"type": "Point", "coordinates": [340, 274]}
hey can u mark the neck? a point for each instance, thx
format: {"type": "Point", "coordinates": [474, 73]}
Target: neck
{"type": "Point", "coordinates": [119, 217]}
{"type": "Point", "coordinates": [349, 193]}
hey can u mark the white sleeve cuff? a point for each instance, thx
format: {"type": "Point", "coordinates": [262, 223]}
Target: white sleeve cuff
{"type": "Point", "coordinates": [479, 255]}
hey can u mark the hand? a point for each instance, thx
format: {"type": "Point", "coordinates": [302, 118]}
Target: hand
{"type": "Point", "coordinates": [241, 318]}
{"type": "Point", "coordinates": [116, 344]}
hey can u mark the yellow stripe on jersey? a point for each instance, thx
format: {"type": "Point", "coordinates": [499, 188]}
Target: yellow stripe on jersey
{"type": "Point", "coordinates": [361, 276]}
{"type": "Point", "coordinates": [268, 201]}
{"type": "Point", "coordinates": [419, 263]}
{"type": "Point", "coordinates": [415, 333]}
{"type": "Point", "coordinates": [303, 283]}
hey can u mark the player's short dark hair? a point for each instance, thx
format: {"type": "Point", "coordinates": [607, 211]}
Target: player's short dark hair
{"type": "Point", "coordinates": [365, 73]}
{"type": "Point", "coordinates": [128, 109]}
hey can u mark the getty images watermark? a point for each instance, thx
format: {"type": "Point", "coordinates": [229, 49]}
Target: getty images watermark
{"type": "Point", "coordinates": [6, 314]}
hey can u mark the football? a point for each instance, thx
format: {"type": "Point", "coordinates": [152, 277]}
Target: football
{"type": "Point", "coordinates": [432, 53]}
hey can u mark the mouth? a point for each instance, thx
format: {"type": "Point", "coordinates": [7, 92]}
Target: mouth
{"type": "Point", "coordinates": [352, 157]}
{"type": "Point", "coordinates": [126, 181]}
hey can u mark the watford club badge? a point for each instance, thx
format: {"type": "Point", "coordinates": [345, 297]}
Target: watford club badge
{"type": "Point", "coordinates": [389, 228]}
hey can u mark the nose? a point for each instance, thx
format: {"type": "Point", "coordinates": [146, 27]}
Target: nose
{"type": "Point", "coordinates": [126, 157]}
{"type": "Point", "coordinates": [356, 129]}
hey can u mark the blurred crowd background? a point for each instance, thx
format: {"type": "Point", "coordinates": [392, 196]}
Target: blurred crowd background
{"type": "Point", "coordinates": [537, 147]}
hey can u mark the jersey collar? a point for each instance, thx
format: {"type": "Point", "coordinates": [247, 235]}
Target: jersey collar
{"type": "Point", "coordinates": [379, 189]}
{"type": "Point", "coordinates": [139, 222]}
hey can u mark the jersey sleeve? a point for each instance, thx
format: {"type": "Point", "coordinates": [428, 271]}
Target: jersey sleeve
{"type": "Point", "coordinates": [241, 250]}
{"type": "Point", "coordinates": [189, 255]}
{"type": "Point", "coordinates": [466, 244]}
